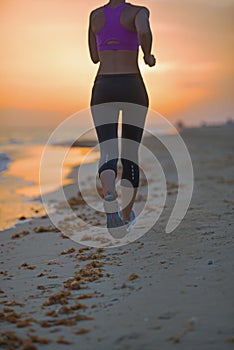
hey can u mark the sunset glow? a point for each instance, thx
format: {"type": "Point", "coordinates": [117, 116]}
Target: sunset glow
{"type": "Point", "coordinates": [45, 64]}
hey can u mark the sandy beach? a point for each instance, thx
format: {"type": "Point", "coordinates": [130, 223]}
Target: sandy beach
{"type": "Point", "coordinates": [163, 291]}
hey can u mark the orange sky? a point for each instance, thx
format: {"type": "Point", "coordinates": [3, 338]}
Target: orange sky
{"type": "Point", "coordinates": [46, 72]}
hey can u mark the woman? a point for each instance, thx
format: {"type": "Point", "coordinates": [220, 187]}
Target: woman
{"type": "Point", "coordinates": [115, 32]}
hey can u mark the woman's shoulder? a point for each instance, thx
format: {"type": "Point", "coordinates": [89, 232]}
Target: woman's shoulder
{"type": "Point", "coordinates": [138, 7]}
{"type": "Point", "coordinates": [96, 11]}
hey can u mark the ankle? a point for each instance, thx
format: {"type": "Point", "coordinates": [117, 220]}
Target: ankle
{"type": "Point", "coordinates": [125, 216]}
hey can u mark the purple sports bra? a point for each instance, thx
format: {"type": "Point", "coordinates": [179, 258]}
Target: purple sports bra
{"type": "Point", "coordinates": [113, 31]}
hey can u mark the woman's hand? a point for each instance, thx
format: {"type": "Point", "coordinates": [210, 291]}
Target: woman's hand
{"type": "Point", "coordinates": [150, 60]}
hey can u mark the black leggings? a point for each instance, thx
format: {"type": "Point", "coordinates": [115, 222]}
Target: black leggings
{"type": "Point", "coordinates": [111, 94]}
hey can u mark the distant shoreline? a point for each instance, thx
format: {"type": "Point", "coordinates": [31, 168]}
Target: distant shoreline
{"type": "Point", "coordinates": [89, 143]}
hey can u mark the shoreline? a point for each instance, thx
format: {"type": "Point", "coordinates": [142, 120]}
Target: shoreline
{"type": "Point", "coordinates": [72, 174]}
{"type": "Point", "coordinates": [86, 144]}
{"type": "Point", "coordinates": [20, 191]}
{"type": "Point", "coordinates": [67, 188]}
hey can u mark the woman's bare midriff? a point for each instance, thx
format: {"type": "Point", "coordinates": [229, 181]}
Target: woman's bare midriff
{"type": "Point", "coordinates": [118, 62]}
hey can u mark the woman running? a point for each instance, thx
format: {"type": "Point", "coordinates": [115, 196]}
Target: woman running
{"type": "Point", "coordinates": [115, 32]}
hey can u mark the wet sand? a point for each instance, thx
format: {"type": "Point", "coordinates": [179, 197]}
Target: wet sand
{"type": "Point", "coordinates": [164, 291]}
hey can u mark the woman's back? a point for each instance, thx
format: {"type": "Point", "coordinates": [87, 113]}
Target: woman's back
{"type": "Point", "coordinates": [115, 60]}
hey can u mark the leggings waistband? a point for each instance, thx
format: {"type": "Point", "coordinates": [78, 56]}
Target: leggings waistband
{"type": "Point", "coordinates": [122, 75]}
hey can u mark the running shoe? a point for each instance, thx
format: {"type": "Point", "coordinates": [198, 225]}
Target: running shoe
{"type": "Point", "coordinates": [115, 224]}
{"type": "Point", "coordinates": [128, 223]}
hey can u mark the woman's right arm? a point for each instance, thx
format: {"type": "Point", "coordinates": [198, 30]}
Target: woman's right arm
{"type": "Point", "coordinates": [145, 35]}
{"type": "Point", "coordinates": [92, 43]}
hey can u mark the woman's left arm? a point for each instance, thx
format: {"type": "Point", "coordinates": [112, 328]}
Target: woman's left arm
{"type": "Point", "coordinates": [92, 43]}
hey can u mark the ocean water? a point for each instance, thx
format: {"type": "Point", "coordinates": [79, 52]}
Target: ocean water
{"type": "Point", "coordinates": [4, 160]}
{"type": "Point", "coordinates": [20, 155]}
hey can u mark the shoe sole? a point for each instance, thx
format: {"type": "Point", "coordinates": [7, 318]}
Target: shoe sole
{"type": "Point", "coordinates": [111, 207]}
